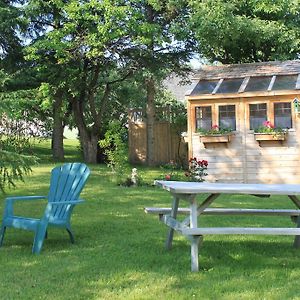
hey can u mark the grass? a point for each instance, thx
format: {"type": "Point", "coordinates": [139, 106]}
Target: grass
{"type": "Point", "coordinates": [119, 251]}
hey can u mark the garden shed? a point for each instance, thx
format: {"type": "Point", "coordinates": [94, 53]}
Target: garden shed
{"type": "Point", "coordinates": [244, 120]}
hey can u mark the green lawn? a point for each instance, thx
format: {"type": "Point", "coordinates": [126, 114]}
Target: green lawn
{"type": "Point", "coordinates": [119, 251]}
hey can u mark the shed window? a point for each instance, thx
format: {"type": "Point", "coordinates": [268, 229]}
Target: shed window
{"type": "Point", "coordinates": [287, 82]}
{"type": "Point", "coordinates": [230, 85]}
{"type": "Point", "coordinates": [282, 115]}
{"type": "Point", "coordinates": [203, 117]}
{"type": "Point", "coordinates": [258, 84]}
{"type": "Point", "coordinates": [227, 116]}
{"type": "Point", "coordinates": [258, 115]}
{"type": "Point", "coordinates": [204, 87]}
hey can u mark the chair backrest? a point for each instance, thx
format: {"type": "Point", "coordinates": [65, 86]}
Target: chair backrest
{"type": "Point", "coordinates": [67, 181]}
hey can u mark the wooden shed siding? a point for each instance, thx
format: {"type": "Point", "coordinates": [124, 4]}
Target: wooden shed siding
{"type": "Point", "coordinates": [244, 159]}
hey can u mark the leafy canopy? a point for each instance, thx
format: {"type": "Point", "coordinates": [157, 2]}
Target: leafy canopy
{"type": "Point", "coordinates": [246, 30]}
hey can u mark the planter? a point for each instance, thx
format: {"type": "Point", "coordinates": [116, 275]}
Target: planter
{"type": "Point", "coordinates": [270, 136]}
{"type": "Point", "coordinates": [216, 138]}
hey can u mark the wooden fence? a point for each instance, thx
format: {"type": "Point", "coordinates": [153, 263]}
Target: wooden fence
{"type": "Point", "coordinates": [168, 144]}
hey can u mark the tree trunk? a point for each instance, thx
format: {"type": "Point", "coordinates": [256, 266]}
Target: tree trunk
{"type": "Point", "coordinates": [89, 138]}
{"type": "Point", "coordinates": [58, 129]}
{"type": "Point", "coordinates": [89, 144]}
{"type": "Point", "coordinates": [150, 112]}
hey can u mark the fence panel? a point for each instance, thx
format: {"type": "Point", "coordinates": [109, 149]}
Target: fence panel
{"type": "Point", "coordinates": [167, 144]}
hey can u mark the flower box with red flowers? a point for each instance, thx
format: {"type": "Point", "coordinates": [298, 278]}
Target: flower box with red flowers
{"type": "Point", "coordinates": [268, 132]}
{"type": "Point", "coordinates": [215, 135]}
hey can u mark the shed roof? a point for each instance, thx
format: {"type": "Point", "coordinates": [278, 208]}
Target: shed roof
{"type": "Point", "coordinates": [248, 78]}
{"type": "Point", "coordinates": [250, 69]}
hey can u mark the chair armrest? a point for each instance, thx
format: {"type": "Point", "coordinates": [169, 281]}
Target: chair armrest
{"type": "Point", "coordinates": [66, 202]}
{"type": "Point", "coordinates": [9, 202]}
{"type": "Point", "coordinates": [18, 198]}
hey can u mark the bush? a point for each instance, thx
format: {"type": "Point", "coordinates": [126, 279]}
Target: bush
{"type": "Point", "coordinates": [116, 150]}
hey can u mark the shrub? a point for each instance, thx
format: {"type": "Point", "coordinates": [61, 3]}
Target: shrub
{"type": "Point", "coordinates": [197, 170]}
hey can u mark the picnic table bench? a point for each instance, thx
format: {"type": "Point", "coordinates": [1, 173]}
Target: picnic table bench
{"type": "Point", "coordinates": [189, 226]}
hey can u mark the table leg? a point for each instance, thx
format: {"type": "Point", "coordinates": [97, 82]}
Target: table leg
{"type": "Point", "coordinates": [209, 200]}
{"type": "Point", "coordinates": [194, 239]}
{"type": "Point", "coordinates": [173, 215]}
{"type": "Point", "coordinates": [195, 253]}
{"type": "Point", "coordinates": [297, 237]}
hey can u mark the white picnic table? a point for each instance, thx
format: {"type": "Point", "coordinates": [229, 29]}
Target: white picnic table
{"type": "Point", "coordinates": [189, 226]}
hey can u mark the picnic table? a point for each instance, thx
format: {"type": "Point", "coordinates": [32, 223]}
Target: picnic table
{"type": "Point", "coordinates": [189, 226]}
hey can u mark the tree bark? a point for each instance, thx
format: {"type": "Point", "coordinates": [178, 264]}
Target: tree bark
{"type": "Point", "coordinates": [88, 137]}
{"type": "Point", "coordinates": [58, 128]}
{"type": "Point", "coordinates": [89, 144]}
{"type": "Point", "coordinates": [150, 112]}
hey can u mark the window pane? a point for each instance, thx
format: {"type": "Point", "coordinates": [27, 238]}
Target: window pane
{"type": "Point", "coordinates": [204, 87]}
{"type": "Point", "coordinates": [258, 115]}
{"type": "Point", "coordinates": [258, 84]}
{"type": "Point", "coordinates": [227, 116]}
{"type": "Point", "coordinates": [287, 82]}
{"type": "Point", "coordinates": [230, 86]}
{"type": "Point", "coordinates": [282, 115]}
{"type": "Point", "coordinates": [203, 117]}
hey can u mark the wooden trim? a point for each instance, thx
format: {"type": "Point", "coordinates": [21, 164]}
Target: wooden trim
{"type": "Point", "coordinates": [193, 112]}
{"type": "Point", "coordinates": [216, 138]}
{"type": "Point", "coordinates": [270, 111]}
{"type": "Point", "coordinates": [298, 82]}
{"type": "Point", "coordinates": [269, 136]}
{"type": "Point", "coordinates": [215, 115]}
{"type": "Point", "coordinates": [245, 95]}
{"type": "Point", "coordinates": [217, 86]}
{"type": "Point", "coordinates": [272, 83]}
{"type": "Point", "coordinates": [190, 123]}
{"type": "Point", "coordinates": [244, 84]}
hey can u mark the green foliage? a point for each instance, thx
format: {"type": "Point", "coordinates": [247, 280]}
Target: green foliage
{"type": "Point", "coordinates": [172, 171]}
{"type": "Point", "coordinates": [10, 43]}
{"type": "Point", "coordinates": [177, 114]}
{"type": "Point", "coordinates": [246, 31]}
{"type": "Point", "coordinates": [197, 170]}
{"type": "Point", "coordinates": [13, 167]}
{"type": "Point", "coordinates": [268, 127]}
{"type": "Point", "coordinates": [18, 127]}
{"type": "Point", "coordinates": [116, 150]}
{"type": "Point", "coordinates": [22, 109]}
{"type": "Point", "coordinates": [215, 130]}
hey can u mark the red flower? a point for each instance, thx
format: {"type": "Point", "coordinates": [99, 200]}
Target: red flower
{"type": "Point", "coordinates": [168, 177]}
{"type": "Point", "coordinates": [268, 124]}
{"type": "Point", "coordinates": [204, 163]}
{"type": "Point", "coordinates": [215, 127]}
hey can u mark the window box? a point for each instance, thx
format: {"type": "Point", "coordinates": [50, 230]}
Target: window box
{"type": "Point", "coordinates": [216, 138]}
{"type": "Point", "coordinates": [272, 136]}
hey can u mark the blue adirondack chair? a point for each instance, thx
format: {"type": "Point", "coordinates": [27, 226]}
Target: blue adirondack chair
{"type": "Point", "coordinates": [66, 183]}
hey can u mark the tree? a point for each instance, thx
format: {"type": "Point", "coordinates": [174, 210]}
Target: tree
{"type": "Point", "coordinates": [246, 30]}
{"type": "Point", "coordinates": [97, 45]}
{"type": "Point", "coordinates": [15, 138]}
{"type": "Point", "coordinates": [10, 44]}
{"type": "Point", "coordinates": [13, 163]}
{"type": "Point", "coordinates": [161, 45]}
{"type": "Point", "coordinates": [83, 47]}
